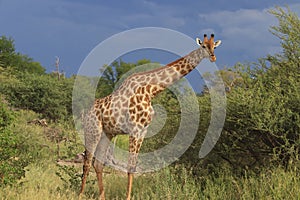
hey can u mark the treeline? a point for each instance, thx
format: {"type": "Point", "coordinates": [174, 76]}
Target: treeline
{"type": "Point", "coordinates": [262, 127]}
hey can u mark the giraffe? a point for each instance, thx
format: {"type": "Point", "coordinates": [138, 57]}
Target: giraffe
{"type": "Point", "coordinates": [128, 111]}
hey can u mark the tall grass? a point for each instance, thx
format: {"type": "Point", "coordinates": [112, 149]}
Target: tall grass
{"type": "Point", "coordinates": [42, 183]}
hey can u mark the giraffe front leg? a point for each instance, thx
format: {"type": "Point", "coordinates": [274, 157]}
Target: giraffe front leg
{"type": "Point", "coordinates": [99, 172]}
{"type": "Point", "coordinates": [129, 185]}
{"type": "Point", "coordinates": [135, 143]}
{"type": "Point", "coordinates": [131, 168]}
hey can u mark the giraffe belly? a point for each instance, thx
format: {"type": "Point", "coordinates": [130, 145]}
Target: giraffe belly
{"type": "Point", "coordinates": [113, 131]}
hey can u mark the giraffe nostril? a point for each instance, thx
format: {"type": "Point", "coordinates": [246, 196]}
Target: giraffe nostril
{"type": "Point", "coordinates": [213, 58]}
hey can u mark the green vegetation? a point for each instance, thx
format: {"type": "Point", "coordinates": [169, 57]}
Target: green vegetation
{"type": "Point", "coordinates": [256, 157]}
{"type": "Point", "coordinates": [40, 183]}
{"type": "Point", "coordinates": [10, 59]}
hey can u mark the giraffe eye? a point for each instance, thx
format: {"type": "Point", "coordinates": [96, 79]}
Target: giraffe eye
{"type": "Point", "coordinates": [204, 46]}
{"type": "Point", "coordinates": [215, 47]}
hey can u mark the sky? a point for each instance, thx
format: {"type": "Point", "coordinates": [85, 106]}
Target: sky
{"type": "Point", "coordinates": [70, 29]}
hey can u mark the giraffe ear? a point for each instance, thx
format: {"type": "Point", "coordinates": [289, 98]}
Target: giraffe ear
{"type": "Point", "coordinates": [217, 43]}
{"type": "Point", "coordinates": [199, 42]}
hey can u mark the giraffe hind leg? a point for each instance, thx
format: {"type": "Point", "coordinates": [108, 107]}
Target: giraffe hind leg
{"type": "Point", "coordinates": [92, 136]}
{"type": "Point", "coordinates": [100, 156]}
{"type": "Point", "coordinates": [88, 158]}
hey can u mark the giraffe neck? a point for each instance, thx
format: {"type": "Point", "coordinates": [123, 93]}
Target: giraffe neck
{"type": "Point", "coordinates": [186, 64]}
{"type": "Point", "coordinates": [172, 72]}
{"type": "Point", "coordinates": [154, 81]}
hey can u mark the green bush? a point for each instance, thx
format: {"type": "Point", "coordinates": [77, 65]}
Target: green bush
{"type": "Point", "coordinates": [11, 147]}
{"type": "Point", "coordinates": [42, 94]}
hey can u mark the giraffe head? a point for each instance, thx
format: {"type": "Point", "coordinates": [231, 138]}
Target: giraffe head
{"type": "Point", "coordinates": [209, 45]}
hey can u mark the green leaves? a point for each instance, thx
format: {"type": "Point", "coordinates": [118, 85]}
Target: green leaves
{"type": "Point", "coordinates": [11, 147]}
{"type": "Point", "coordinates": [263, 118]}
{"type": "Point", "coordinates": [17, 61]}
{"type": "Point", "coordinates": [42, 94]}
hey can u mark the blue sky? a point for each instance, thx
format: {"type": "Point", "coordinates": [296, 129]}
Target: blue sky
{"type": "Point", "coordinates": [70, 29]}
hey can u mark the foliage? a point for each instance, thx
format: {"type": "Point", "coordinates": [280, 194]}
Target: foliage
{"type": "Point", "coordinates": [11, 147]}
{"type": "Point", "coordinates": [22, 143]}
{"type": "Point", "coordinates": [10, 58]}
{"type": "Point", "coordinates": [25, 85]}
{"type": "Point", "coordinates": [263, 116]}
{"type": "Point", "coordinates": [70, 176]}
{"type": "Point", "coordinates": [7, 49]}
{"type": "Point", "coordinates": [42, 94]}
{"type": "Point", "coordinates": [6, 115]}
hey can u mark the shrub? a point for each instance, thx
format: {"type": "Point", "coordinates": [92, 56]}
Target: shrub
{"type": "Point", "coordinates": [11, 146]}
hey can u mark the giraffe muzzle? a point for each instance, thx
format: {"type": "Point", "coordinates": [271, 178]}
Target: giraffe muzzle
{"type": "Point", "coordinates": [212, 58]}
